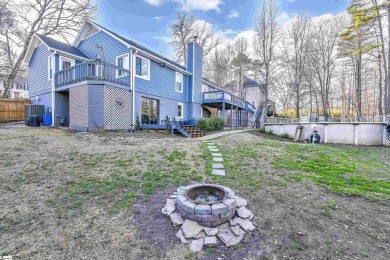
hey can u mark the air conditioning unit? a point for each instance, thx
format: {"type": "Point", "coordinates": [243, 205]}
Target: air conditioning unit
{"type": "Point", "coordinates": [34, 110]}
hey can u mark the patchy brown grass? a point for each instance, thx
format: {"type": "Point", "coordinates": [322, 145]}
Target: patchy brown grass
{"type": "Point", "coordinates": [67, 195]}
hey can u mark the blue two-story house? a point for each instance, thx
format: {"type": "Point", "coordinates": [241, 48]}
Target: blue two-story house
{"type": "Point", "coordinates": [106, 81]}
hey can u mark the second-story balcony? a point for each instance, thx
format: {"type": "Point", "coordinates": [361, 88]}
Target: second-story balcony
{"type": "Point", "coordinates": [94, 70]}
{"type": "Point", "coordinates": [219, 96]}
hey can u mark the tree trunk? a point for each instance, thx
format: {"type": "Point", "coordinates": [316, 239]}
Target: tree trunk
{"type": "Point", "coordinates": [380, 111]}
{"type": "Point", "coordinates": [387, 87]}
{"type": "Point", "coordinates": [359, 87]}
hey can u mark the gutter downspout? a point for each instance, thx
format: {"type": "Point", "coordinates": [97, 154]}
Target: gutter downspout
{"type": "Point", "coordinates": [133, 51]}
{"type": "Point", "coordinates": [53, 88]}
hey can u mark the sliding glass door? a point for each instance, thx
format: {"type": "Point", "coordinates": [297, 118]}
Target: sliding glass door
{"type": "Point", "coordinates": [150, 111]}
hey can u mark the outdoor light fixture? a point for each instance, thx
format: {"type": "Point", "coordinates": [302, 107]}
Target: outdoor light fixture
{"type": "Point", "coordinates": [98, 57]}
{"type": "Point", "coordinates": [162, 64]}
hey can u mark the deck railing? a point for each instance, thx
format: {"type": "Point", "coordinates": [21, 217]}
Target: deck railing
{"type": "Point", "coordinates": [93, 70]}
{"type": "Point", "coordinates": [220, 95]}
{"type": "Point", "coordinates": [363, 119]}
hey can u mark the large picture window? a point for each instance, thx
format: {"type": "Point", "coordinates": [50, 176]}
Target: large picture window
{"type": "Point", "coordinates": [150, 111]}
{"type": "Point", "coordinates": [142, 68]}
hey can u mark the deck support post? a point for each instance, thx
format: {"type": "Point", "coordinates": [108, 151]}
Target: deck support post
{"type": "Point", "coordinates": [223, 113]}
{"type": "Point", "coordinates": [236, 117]}
{"type": "Point", "coordinates": [231, 116]}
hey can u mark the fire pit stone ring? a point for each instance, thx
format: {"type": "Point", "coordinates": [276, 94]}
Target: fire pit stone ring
{"type": "Point", "coordinates": [208, 204]}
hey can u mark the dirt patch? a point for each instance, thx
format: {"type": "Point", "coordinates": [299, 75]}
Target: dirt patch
{"type": "Point", "coordinates": [152, 225]}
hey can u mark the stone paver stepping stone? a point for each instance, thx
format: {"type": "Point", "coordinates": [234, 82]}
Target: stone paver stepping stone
{"type": "Point", "coordinates": [211, 231]}
{"type": "Point", "coordinates": [176, 219]}
{"type": "Point", "coordinates": [241, 202]}
{"type": "Point", "coordinates": [212, 147]}
{"type": "Point", "coordinates": [235, 230]}
{"type": "Point", "coordinates": [218, 166]}
{"type": "Point", "coordinates": [210, 241]}
{"type": "Point", "coordinates": [217, 159]}
{"type": "Point", "coordinates": [244, 213]}
{"type": "Point", "coordinates": [191, 228]}
{"type": "Point", "coordinates": [245, 224]}
{"type": "Point", "coordinates": [196, 245]}
{"type": "Point", "coordinates": [180, 235]}
{"type": "Point", "coordinates": [218, 172]}
{"type": "Point", "coordinates": [216, 154]}
{"type": "Point", "coordinates": [228, 237]}
{"type": "Point", "coordinates": [210, 143]}
{"type": "Point", "coordinates": [213, 150]}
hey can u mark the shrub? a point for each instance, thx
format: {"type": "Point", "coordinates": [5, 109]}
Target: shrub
{"type": "Point", "coordinates": [270, 132]}
{"type": "Point", "coordinates": [216, 123]}
{"type": "Point", "coordinates": [262, 129]}
{"type": "Point", "coordinates": [211, 124]}
{"type": "Point", "coordinates": [285, 135]}
{"type": "Point", "coordinates": [204, 124]}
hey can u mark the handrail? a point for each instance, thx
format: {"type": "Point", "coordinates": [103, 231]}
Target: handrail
{"type": "Point", "coordinates": [92, 70]}
{"type": "Point", "coordinates": [223, 95]}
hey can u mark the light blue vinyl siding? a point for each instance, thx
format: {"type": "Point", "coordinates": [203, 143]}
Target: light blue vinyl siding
{"type": "Point", "coordinates": [190, 56]}
{"type": "Point", "coordinates": [162, 83]}
{"type": "Point", "coordinates": [38, 72]}
{"type": "Point", "coordinates": [111, 47]}
{"type": "Point", "coordinates": [197, 73]}
{"type": "Point", "coordinates": [195, 66]}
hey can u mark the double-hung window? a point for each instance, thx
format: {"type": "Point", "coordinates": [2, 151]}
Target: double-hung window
{"type": "Point", "coordinates": [142, 68]}
{"type": "Point", "coordinates": [122, 62]}
{"type": "Point", "coordinates": [179, 82]}
{"type": "Point", "coordinates": [50, 67]}
{"type": "Point", "coordinates": [180, 110]}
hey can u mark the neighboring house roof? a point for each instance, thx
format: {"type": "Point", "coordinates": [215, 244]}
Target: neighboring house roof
{"type": "Point", "coordinates": [248, 82]}
{"type": "Point", "coordinates": [61, 46]}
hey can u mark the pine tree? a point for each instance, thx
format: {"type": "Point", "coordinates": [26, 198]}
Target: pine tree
{"type": "Point", "coordinates": [356, 41]}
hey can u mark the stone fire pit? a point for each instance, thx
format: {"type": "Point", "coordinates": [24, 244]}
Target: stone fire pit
{"type": "Point", "coordinates": [209, 205]}
{"type": "Point", "coordinates": [206, 212]}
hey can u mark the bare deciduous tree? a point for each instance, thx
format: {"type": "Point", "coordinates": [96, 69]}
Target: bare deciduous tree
{"type": "Point", "coordinates": [241, 63]}
{"type": "Point", "coordinates": [265, 43]}
{"type": "Point", "coordinates": [184, 29]}
{"type": "Point", "coordinates": [218, 67]}
{"type": "Point", "coordinates": [323, 55]}
{"type": "Point", "coordinates": [46, 17]}
{"type": "Point", "coordinates": [295, 57]}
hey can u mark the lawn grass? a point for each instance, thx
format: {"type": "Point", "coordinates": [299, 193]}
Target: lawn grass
{"type": "Point", "coordinates": [125, 179]}
{"type": "Point", "coordinates": [347, 170]}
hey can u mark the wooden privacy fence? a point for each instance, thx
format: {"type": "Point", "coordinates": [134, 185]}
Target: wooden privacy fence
{"type": "Point", "coordinates": [12, 109]}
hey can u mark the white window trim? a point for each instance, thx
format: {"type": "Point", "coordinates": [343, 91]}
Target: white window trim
{"type": "Point", "coordinates": [124, 67]}
{"type": "Point", "coordinates": [182, 82]}
{"type": "Point", "coordinates": [182, 110]}
{"type": "Point", "coordinates": [135, 67]}
{"type": "Point", "coordinates": [50, 58]}
{"type": "Point", "coordinates": [62, 58]}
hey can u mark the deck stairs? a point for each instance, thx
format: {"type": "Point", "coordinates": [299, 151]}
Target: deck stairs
{"type": "Point", "coordinates": [190, 131]}
{"type": "Point", "coordinates": [256, 115]}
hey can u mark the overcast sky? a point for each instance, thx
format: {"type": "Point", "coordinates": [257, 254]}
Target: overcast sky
{"type": "Point", "coordinates": [148, 21]}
